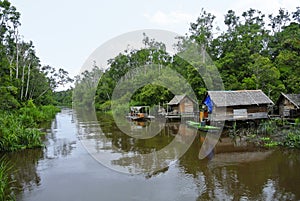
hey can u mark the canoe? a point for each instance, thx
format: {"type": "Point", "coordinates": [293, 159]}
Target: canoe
{"type": "Point", "coordinates": [201, 127]}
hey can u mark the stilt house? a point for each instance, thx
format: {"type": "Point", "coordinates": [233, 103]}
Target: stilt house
{"type": "Point", "coordinates": [289, 105]}
{"type": "Point", "coordinates": [237, 105]}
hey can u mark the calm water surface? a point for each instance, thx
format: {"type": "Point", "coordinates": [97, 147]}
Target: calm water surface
{"type": "Point", "coordinates": [64, 170]}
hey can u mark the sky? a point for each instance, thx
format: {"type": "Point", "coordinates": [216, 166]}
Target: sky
{"type": "Point", "coordinates": [66, 32]}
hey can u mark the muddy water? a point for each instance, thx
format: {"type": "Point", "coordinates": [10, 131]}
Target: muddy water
{"type": "Point", "coordinates": [64, 169]}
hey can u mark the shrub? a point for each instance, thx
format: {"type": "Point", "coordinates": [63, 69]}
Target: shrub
{"type": "Point", "coordinates": [18, 130]}
{"type": "Point", "coordinates": [292, 139]}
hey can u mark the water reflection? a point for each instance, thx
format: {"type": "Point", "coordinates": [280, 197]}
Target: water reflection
{"type": "Point", "coordinates": [59, 142]}
{"type": "Point", "coordinates": [64, 170]}
{"type": "Point", "coordinates": [25, 174]}
{"type": "Point", "coordinates": [233, 171]}
{"type": "Point", "coordinates": [135, 152]}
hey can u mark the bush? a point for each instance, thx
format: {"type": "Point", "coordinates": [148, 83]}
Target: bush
{"type": "Point", "coordinates": [18, 130]}
{"type": "Point", "coordinates": [267, 127]}
{"type": "Point", "coordinates": [292, 139]}
{"type": "Point", "coordinates": [39, 114]}
{"type": "Point", "coordinates": [106, 106]}
{"type": "Point", "coordinates": [14, 135]}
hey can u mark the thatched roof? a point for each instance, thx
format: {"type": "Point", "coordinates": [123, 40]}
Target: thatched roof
{"type": "Point", "coordinates": [235, 98]}
{"type": "Point", "coordinates": [178, 98]}
{"type": "Point", "coordinates": [293, 98]}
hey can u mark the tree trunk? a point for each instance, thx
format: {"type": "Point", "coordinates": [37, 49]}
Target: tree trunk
{"type": "Point", "coordinates": [10, 68]}
{"type": "Point", "coordinates": [17, 59]}
{"type": "Point", "coordinates": [22, 82]}
{"type": "Point", "coordinates": [28, 79]}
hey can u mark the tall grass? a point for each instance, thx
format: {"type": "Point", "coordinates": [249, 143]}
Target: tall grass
{"type": "Point", "coordinates": [19, 129]}
{"type": "Point", "coordinates": [6, 193]}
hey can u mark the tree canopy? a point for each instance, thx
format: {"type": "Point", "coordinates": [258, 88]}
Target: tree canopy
{"type": "Point", "coordinates": [256, 51]}
{"type": "Point", "coordinates": [22, 77]}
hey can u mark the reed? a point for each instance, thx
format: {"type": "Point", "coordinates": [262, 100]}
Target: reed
{"type": "Point", "coordinates": [6, 192]}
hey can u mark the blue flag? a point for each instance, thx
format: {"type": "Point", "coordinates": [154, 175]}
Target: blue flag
{"type": "Point", "coordinates": [209, 104]}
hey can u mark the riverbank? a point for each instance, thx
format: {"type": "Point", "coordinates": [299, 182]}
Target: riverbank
{"type": "Point", "coordinates": [244, 175]}
{"type": "Point", "coordinates": [269, 133]}
{"type": "Point", "coordinates": [20, 129]}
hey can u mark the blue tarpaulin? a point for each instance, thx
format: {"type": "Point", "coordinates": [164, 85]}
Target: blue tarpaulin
{"type": "Point", "coordinates": [208, 103]}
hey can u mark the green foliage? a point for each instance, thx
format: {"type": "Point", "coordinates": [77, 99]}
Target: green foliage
{"type": "Point", "coordinates": [248, 56]}
{"type": "Point", "coordinates": [21, 76]}
{"type": "Point", "coordinates": [292, 139]}
{"type": "Point", "coordinates": [63, 98]}
{"type": "Point", "coordinates": [104, 107]}
{"type": "Point", "coordinates": [271, 144]}
{"type": "Point", "coordinates": [30, 104]}
{"type": "Point", "coordinates": [5, 182]}
{"type": "Point", "coordinates": [7, 98]}
{"type": "Point", "coordinates": [14, 136]}
{"type": "Point", "coordinates": [39, 114]}
{"type": "Point", "coordinates": [18, 130]}
{"type": "Point", "coordinates": [267, 127]}
{"type": "Point", "coordinates": [86, 85]}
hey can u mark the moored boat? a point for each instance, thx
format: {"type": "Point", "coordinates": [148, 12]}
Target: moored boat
{"type": "Point", "coordinates": [201, 127]}
{"type": "Point", "coordinates": [140, 113]}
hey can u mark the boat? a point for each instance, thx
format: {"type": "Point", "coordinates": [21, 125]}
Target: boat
{"type": "Point", "coordinates": [201, 127]}
{"type": "Point", "coordinates": [140, 113]}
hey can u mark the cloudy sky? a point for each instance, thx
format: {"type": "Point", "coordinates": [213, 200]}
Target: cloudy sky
{"type": "Point", "coordinates": [66, 32]}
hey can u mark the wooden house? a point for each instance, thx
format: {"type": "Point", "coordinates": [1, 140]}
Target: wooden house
{"type": "Point", "coordinates": [289, 105]}
{"type": "Point", "coordinates": [182, 105]}
{"type": "Point", "coordinates": [237, 105]}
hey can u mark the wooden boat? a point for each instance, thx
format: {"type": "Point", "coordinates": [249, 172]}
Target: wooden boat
{"type": "Point", "coordinates": [201, 127]}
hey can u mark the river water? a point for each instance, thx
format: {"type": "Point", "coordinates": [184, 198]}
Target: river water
{"type": "Point", "coordinates": [68, 167]}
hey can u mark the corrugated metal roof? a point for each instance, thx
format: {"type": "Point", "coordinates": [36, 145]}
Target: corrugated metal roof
{"type": "Point", "coordinates": [242, 97]}
{"type": "Point", "coordinates": [176, 100]}
{"type": "Point", "coordinates": [293, 98]}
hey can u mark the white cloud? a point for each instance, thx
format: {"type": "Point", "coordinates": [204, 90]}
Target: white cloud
{"type": "Point", "coordinates": [171, 18]}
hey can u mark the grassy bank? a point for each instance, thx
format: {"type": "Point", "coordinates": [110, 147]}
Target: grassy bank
{"type": "Point", "coordinates": [19, 129]}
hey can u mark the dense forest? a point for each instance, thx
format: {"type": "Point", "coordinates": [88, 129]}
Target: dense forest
{"type": "Point", "coordinates": [22, 77]}
{"type": "Point", "coordinates": [256, 51]}
{"type": "Point", "coordinates": [27, 93]}
{"type": "Point", "coordinates": [27, 88]}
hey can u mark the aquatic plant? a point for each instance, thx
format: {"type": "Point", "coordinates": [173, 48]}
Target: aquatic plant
{"type": "Point", "coordinates": [6, 193]}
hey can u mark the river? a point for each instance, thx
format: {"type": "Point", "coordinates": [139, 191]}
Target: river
{"type": "Point", "coordinates": [68, 168]}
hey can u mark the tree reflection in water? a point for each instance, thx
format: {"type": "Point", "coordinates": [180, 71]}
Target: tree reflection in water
{"type": "Point", "coordinates": [235, 172]}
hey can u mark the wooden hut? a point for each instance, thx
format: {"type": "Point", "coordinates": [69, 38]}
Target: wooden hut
{"type": "Point", "coordinates": [182, 105]}
{"type": "Point", "coordinates": [289, 105]}
{"type": "Point", "coordinates": [237, 105]}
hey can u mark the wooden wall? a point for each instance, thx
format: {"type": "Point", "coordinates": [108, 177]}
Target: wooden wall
{"type": "Point", "coordinates": [286, 108]}
{"type": "Point", "coordinates": [240, 112]}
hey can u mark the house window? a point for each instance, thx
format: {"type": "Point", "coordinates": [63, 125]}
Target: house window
{"type": "Point", "coordinates": [240, 113]}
